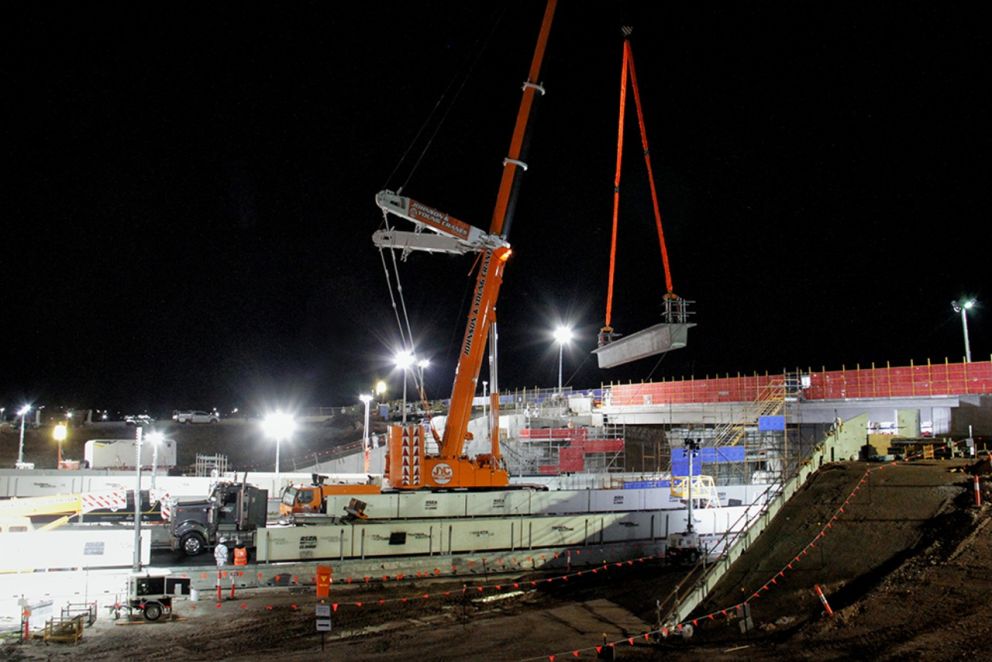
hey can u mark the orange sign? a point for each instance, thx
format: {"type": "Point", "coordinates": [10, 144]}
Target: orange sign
{"type": "Point", "coordinates": [323, 581]}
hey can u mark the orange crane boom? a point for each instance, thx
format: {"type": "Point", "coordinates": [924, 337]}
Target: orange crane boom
{"type": "Point", "coordinates": [408, 466]}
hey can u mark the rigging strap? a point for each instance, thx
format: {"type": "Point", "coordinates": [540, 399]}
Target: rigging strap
{"type": "Point", "coordinates": [627, 69]}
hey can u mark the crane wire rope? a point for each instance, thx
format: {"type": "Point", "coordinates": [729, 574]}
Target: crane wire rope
{"type": "Point", "coordinates": [479, 50]}
{"type": "Point", "coordinates": [406, 334]}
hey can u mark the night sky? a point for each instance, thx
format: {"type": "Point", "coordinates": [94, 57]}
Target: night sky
{"type": "Point", "coordinates": [189, 200]}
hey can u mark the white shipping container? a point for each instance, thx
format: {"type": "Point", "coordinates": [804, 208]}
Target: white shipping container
{"type": "Point", "coordinates": [120, 453]}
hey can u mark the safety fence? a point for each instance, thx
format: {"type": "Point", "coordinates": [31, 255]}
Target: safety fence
{"type": "Point", "coordinates": [929, 379]}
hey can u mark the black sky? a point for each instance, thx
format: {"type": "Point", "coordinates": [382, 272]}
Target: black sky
{"type": "Point", "coordinates": [189, 198]}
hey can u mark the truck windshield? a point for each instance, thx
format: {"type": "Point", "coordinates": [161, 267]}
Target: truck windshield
{"type": "Point", "coordinates": [289, 496]}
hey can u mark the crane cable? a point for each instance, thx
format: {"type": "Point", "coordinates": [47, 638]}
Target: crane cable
{"type": "Point", "coordinates": [627, 68]}
{"type": "Point", "coordinates": [472, 62]}
{"type": "Point", "coordinates": [406, 335]}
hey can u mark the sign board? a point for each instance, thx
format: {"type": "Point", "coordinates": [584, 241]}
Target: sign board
{"type": "Point", "coordinates": [712, 455]}
{"type": "Point", "coordinates": [323, 611]}
{"type": "Point", "coordinates": [771, 423]}
{"type": "Point", "coordinates": [323, 581]}
{"type": "Point", "coordinates": [323, 625]}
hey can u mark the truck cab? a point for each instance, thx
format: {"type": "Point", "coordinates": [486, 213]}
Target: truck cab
{"type": "Point", "coordinates": [234, 510]}
{"type": "Point", "coordinates": [303, 499]}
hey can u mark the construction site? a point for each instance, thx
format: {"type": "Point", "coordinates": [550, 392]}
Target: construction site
{"type": "Point", "coordinates": [801, 513]}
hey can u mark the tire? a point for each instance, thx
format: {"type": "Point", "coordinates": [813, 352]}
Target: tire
{"type": "Point", "coordinates": [192, 544]}
{"type": "Point", "coordinates": [213, 420]}
{"type": "Point", "coordinates": [152, 611]}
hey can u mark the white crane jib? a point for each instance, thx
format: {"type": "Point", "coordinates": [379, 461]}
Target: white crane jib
{"type": "Point", "coordinates": [448, 234]}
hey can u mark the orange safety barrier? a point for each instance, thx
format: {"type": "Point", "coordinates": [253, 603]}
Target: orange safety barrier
{"type": "Point", "coordinates": [914, 380]}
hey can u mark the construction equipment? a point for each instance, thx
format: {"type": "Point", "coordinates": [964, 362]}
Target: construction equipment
{"type": "Point", "coordinates": [150, 595]}
{"type": "Point", "coordinates": [685, 548]}
{"type": "Point", "coordinates": [673, 332]}
{"type": "Point", "coordinates": [312, 498]}
{"type": "Point", "coordinates": [408, 465]}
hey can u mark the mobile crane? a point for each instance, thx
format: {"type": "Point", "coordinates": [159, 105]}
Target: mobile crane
{"type": "Point", "coordinates": [408, 466]}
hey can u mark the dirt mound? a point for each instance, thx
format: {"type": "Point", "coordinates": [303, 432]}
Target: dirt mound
{"type": "Point", "coordinates": [904, 568]}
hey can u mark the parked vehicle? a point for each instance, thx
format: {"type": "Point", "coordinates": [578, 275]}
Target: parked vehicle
{"type": "Point", "coordinates": [233, 511]}
{"type": "Point", "coordinates": [195, 416]}
{"type": "Point", "coordinates": [140, 419]}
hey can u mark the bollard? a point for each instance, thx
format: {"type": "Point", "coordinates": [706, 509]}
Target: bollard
{"type": "Point", "coordinates": [218, 586]}
{"type": "Point", "coordinates": [823, 599]}
{"type": "Point", "coordinates": [978, 492]}
{"type": "Point", "coordinates": [232, 587]}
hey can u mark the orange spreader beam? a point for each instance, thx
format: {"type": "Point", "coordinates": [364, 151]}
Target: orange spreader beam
{"type": "Point", "coordinates": [628, 66]}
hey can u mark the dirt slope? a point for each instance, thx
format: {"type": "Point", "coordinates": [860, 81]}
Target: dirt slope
{"type": "Point", "coordinates": [905, 567]}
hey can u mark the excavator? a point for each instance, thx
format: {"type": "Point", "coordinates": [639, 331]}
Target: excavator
{"type": "Point", "coordinates": [408, 465]}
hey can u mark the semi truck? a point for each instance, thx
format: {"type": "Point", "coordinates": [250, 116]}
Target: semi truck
{"type": "Point", "coordinates": [234, 511]}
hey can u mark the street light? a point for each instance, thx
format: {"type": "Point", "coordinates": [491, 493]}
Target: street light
{"type": "Point", "coordinates": [136, 566]}
{"type": "Point", "coordinates": [962, 306]}
{"type": "Point", "coordinates": [366, 398]}
{"type": "Point", "coordinates": [156, 438]}
{"type": "Point", "coordinates": [403, 361]}
{"type": "Point", "coordinates": [22, 412]}
{"type": "Point", "coordinates": [59, 433]}
{"type": "Point", "coordinates": [278, 426]}
{"type": "Point", "coordinates": [563, 335]}
{"type": "Point", "coordinates": [422, 364]}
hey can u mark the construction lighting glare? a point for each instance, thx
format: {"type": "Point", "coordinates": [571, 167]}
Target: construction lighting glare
{"type": "Point", "coordinates": [404, 359]}
{"type": "Point", "coordinates": [365, 398]}
{"type": "Point", "coordinates": [423, 363]}
{"type": "Point", "coordinates": [23, 410]}
{"type": "Point", "coordinates": [59, 433]}
{"type": "Point", "coordinates": [563, 335]}
{"type": "Point", "coordinates": [380, 387]}
{"type": "Point", "coordinates": [155, 437]}
{"type": "Point", "coordinates": [278, 426]}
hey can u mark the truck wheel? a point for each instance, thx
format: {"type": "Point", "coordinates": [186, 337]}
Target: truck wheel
{"type": "Point", "coordinates": [153, 611]}
{"type": "Point", "coordinates": [192, 544]}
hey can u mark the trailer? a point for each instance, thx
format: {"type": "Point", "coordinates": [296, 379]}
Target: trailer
{"type": "Point", "coordinates": [120, 454]}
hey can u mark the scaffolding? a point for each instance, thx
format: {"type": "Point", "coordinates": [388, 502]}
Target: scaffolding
{"type": "Point", "coordinates": [210, 465]}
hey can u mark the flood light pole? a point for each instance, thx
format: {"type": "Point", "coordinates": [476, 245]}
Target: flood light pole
{"type": "Point", "coordinates": [59, 433]}
{"type": "Point", "coordinates": [136, 567]}
{"type": "Point", "coordinates": [278, 426]}
{"type": "Point", "coordinates": [366, 398]}
{"type": "Point", "coordinates": [22, 412]}
{"type": "Point", "coordinates": [962, 306]}
{"type": "Point", "coordinates": [563, 335]}
{"type": "Point", "coordinates": [156, 438]}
